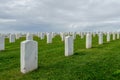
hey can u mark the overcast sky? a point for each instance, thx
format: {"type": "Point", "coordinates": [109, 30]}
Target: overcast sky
{"type": "Point", "coordinates": [59, 15]}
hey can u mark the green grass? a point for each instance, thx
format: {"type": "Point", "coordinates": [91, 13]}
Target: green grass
{"type": "Point", "coordinates": [102, 62]}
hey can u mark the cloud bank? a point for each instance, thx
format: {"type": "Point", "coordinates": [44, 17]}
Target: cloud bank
{"type": "Point", "coordinates": [59, 15]}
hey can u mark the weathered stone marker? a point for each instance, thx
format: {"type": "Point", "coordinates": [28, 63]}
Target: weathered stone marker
{"type": "Point", "coordinates": [2, 43]}
{"type": "Point", "coordinates": [12, 38]}
{"type": "Point", "coordinates": [88, 40]}
{"type": "Point", "coordinates": [74, 35]}
{"type": "Point", "coordinates": [29, 56]}
{"type": "Point", "coordinates": [100, 38]}
{"type": "Point", "coordinates": [68, 45]}
{"type": "Point", "coordinates": [53, 34]}
{"type": "Point", "coordinates": [108, 36]}
{"type": "Point", "coordinates": [82, 35]}
{"type": "Point", "coordinates": [114, 36]}
{"type": "Point", "coordinates": [118, 35]}
{"type": "Point", "coordinates": [49, 38]}
{"type": "Point", "coordinates": [42, 35]}
{"type": "Point", "coordinates": [17, 35]}
{"type": "Point", "coordinates": [29, 36]}
{"type": "Point", "coordinates": [62, 36]}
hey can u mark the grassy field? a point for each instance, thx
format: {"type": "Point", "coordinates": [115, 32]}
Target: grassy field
{"type": "Point", "coordinates": [101, 62]}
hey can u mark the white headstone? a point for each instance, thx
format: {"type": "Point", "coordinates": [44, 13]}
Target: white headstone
{"type": "Point", "coordinates": [49, 38]}
{"type": "Point", "coordinates": [114, 36]}
{"type": "Point", "coordinates": [100, 38]}
{"type": "Point", "coordinates": [88, 40]}
{"type": "Point", "coordinates": [39, 34]}
{"type": "Point", "coordinates": [2, 43]}
{"type": "Point", "coordinates": [82, 35]}
{"type": "Point", "coordinates": [118, 35]}
{"type": "Point", "coordinates": [74, 35]}
{"type": "Point", "coordinates": [68, 46]}
{"type": "Point", "coordinates": [29, 36]}
{"type": "Point", "coordinates": [53, 34]}
{"type": "Point", "coordinates": [12, 38]}
{"type": "Point", "coordinates": [17, 36]}
{"type": "Point", "coordinates": [108, 36]}
{"type": "Point", "coordinates": [42, 35]}
{"type": "Point", "coordinates": [29, 56]}
{"type": "Point", "coordinates": [62, 36]}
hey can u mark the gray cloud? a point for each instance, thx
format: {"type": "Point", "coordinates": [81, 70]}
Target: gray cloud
{"type": "Point", "coordinates": [59, 15]}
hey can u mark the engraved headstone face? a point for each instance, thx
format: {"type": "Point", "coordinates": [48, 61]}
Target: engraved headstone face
{"type": "Point", "coordinates": [29, 36]}
{"type": "Point", "coordinates": [118, 35]}
{"type": "Point", "coordinates": [42, 35]}
{"type": "Point", "coordinates": [114, 34]}
{"type": "Point", "coordinates": [68, 45]}
{"type": "Point", "coordinates": [62, 36]}
{"type": "Point", "coordinates": [29, 56]}
{"type": "Point", "coordinates": [39, 34]}
{"type": "Point", "coordinates": [49, 38]}
{"type": "Point", "coordinates": [2, 43]}
{"type": "Point", "coordinates": [12, 38]}
{"type": "Point", "coordinates": [17, 36]}
{"type": "Point", "coordinates": [53, 34]}
{"type": "Point", "coordinates": [74, 35]}
{"type": "Point", "coordinates": [100, 38]}
{"type": "Point", "coordinates": [88, 40]}
{"type": "Point", "coordinates": [108, 36]}
{"type": "Point", "coordinates": [82, 35]}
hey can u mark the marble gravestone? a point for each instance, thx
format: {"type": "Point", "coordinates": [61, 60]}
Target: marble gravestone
{"type": "Point", "coordinates": [68, 45]}
{"type": "Point", "coordinates": [100, 38]}
{"type": "Point", "coordinates": [49, 38]}
{"type": "Point", "coordinates": [82, 35]}
{"type": "Point", "coordinates": [88, 40]}
{"type": "Point", "coordinates": [114, 35]}
{"type": "Point", "coordinates": [29, 56]}
{"type": "Point", "coordinates": [62, 36]}
{"type": "Point", "coordinates": [2, 43]}
{"type": "Point", "coordinates": [42, 35]}
{"type": "Point", "coordinates": [118, 35]}
{"type": "Point", "coordinates": [74, 35]}
{"type": "Point", "coordinates": [12, 38]}
{"type": "Point", "coordinates": [29, 36]}
{"type": "Point", "coordinates": [17, 36]}
{"type": "Point", "coordinates": [53, 34]}
{"type": "Point", "coordinates": [108, 36]}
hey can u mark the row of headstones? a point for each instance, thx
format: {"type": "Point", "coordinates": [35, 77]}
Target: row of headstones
{"type": "Point", "coordinates": [69, 41]}
{"type": "Point", "coordinates": [12, 38]}
{"type": "Point", "coordinates": [29, 50]}
{"type": "Point", "coordinates": [82, 34]}
{"type": "Point", "coordinates": [51, 35]}
{"type": "Point", "coordinates": [29, 36]}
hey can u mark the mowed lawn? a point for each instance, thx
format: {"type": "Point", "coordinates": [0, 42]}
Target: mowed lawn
{"type": "Point", "coordinates": [101, 62]}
